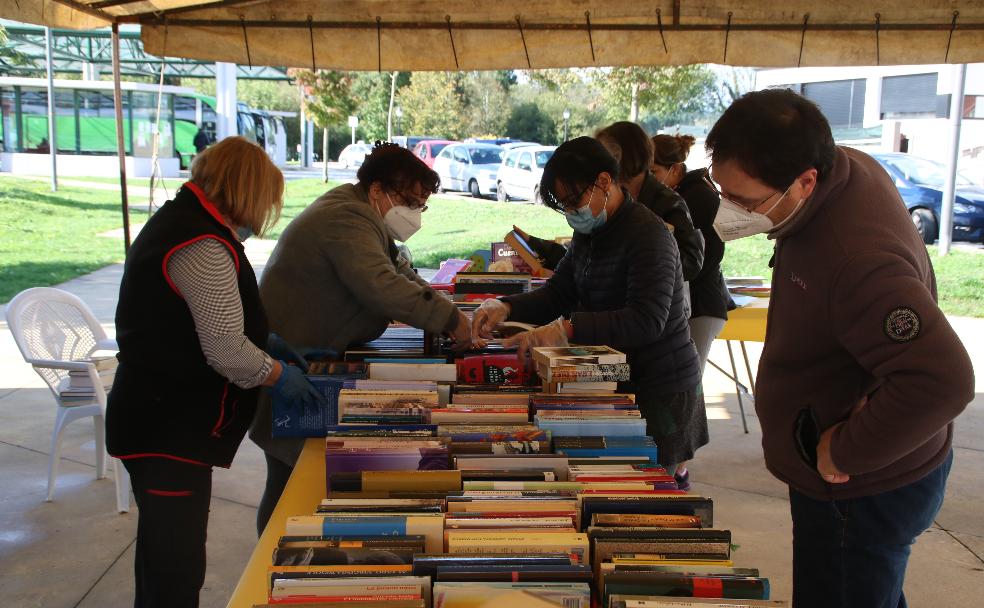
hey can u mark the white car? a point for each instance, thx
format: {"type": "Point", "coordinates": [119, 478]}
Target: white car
{"type": "Point", "coordinates": [520, 172]}
{"type": "Point", "coordinates": [469, 167]}
{"type": "Point", "coordinates": [352, 155]}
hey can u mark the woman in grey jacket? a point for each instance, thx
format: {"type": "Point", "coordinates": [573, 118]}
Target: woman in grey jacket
{"type": "Point", "coordinates": [336, 279]}
{"type": "Point", "coordinates": [620, 284]}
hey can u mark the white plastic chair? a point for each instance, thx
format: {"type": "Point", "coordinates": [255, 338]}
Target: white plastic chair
{"type": "Point", "coordinates": [57, 333]}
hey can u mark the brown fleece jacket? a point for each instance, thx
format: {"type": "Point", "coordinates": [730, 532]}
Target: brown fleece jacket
{"type": "Point", "coordinates": [853, 315]}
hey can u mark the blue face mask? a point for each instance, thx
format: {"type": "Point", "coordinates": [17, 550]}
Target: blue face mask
{"type": "Point", "coordinates": [243, 233]}
{"type": "Point", "coordinates": [584, 221]}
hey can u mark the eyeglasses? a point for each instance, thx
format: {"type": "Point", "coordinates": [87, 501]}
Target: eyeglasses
{"type": "Point", "coordinates": [413, 203]}
{"type": "Point", "coordinates": [749, 207]}
{"type": "Point", "coordinates": [568, 205]}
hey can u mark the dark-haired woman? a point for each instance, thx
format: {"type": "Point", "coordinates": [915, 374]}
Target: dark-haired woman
{"type": "Point", "coordinates": [709, 299]}
{"type": "Point", "coordinates": [620, 284]}
{"type": "Point", "coordinates": [336, 279]}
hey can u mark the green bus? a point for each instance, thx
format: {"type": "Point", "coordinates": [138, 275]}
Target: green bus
{"type": "Point", "coordinates": [85, 119]}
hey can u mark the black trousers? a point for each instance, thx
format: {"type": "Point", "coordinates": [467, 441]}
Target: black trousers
{"type": "Point", "coordinates": [173, 501]}
{"type": "Point", "coordinates": [278, 473]}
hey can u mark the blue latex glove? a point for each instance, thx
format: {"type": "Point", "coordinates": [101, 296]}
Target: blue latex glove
{"type": "Point", "coordinates": [278, 348]}
{"type": "Point", "coordinates": [296, 390]}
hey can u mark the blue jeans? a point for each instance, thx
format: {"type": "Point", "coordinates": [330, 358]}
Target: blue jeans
{"type": "Point", "coordinates": [853, 553]}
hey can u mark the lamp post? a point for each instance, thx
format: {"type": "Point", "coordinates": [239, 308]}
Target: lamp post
{"type": "Point", "coordinates": [567, 116]}
{"type": "Point", "coordinates": [399, 119]}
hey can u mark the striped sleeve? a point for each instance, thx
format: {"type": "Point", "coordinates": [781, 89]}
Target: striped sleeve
{"type": "Point", "coordinates": [205, 275]}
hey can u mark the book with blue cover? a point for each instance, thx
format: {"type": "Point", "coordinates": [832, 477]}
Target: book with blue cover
{"type": "Point", "coordinates": [289, 421]}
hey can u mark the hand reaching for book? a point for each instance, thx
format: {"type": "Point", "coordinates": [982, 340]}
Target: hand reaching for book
{"type": "Point", "coordinates": [296, 390]}
{"type": "Point", "coordinates": [461, 334]}
{"type": "Point", "coordinates": [552, 334]}
{"type": "Point", "coordinates": [487, 316]}
{"type": "Point", "coordinates": [278, 348]}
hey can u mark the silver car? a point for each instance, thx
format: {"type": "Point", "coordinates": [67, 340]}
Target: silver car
{"type": "Point", "coordinates": [520, 173]}
{"type": "Point", "coordinates": [469, 168]}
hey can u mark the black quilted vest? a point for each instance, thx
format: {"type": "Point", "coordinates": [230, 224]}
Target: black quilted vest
{"type": "Point", "coordinates": [166, 400]}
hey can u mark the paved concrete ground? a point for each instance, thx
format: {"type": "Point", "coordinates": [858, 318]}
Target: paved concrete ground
{"type": "Point", "coordinates": [78, 552]}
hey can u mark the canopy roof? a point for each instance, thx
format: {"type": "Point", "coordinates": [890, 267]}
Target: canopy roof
{"type": "Point", "coordinates": [504, 34]}
{"type": "Point", "coordinates": [72, 50]}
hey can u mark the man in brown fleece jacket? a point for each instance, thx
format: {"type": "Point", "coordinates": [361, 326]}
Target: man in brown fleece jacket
{"type": "Point", "coordinates": [861, 375]}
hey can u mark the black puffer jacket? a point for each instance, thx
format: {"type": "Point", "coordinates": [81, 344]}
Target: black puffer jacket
{"type": "Point", "coordinates": [708, 293]}
{"type": "Point", "coordinates": [670, 206]}
{"type": "Point", "coordinates": [623, 286]}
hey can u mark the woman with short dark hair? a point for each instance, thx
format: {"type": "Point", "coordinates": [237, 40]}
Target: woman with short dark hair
{"type": "Point", "coordinates": [619, 284]}
{"type": "Point", "coordinates": [339, 260]}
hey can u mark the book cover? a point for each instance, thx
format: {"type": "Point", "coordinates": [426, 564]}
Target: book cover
{"type": "Point", "coordinates": [505, 368]}
{"type": "Point", "coordinates": [504, 252]}
{"type": "Point", "coordinates": [324, 556]}
{"type": "Point", "coordinates": [437, 372]}
{"type": "Point", "coordinates": [428, 525]}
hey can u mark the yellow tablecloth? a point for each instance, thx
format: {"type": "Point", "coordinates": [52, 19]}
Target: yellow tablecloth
{"type": "Point", "coordinates": [747, 324]}
{"type": "Point", "coordinates": [302, 496]}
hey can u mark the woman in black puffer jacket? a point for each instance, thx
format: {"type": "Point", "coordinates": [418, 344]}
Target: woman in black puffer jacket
{"type": "Point", "coordinates": [620, 284]}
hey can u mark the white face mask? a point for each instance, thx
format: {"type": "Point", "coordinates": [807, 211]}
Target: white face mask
{"type": "Point", "coordinates": [734, 221]}
{"type": "Point", "coordinates": [401, 221]}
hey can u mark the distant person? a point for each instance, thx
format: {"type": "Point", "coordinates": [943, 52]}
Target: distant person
{"type": "Point", "coordinates": [336, 279]}
{"type": "Point", "coordinates": [202, 140]}
{"type": "Point", "coordinates": [194, 350]}
{"type": "Point", "coordinates": [709, 299]}
{"type": "Point", "coordinates": [861, 375]}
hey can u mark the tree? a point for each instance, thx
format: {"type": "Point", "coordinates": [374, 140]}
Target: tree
{"type": "Point", "coordinates": [665, 91]}
{"type": "Point", "coordinates": [9, 55]}
{"type": "Point", "coordinates": [732, 83]}
{"type": "Point", "coordinates": [528, 122]}
{"type": "Point", "coordinates": [433, 105]}
{"type": "Point", "coordinates": [487, 103]}
{"type": "Point", "coordinates": [371, 90]}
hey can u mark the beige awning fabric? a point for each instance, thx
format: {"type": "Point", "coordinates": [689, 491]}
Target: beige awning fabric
{"type": "Point", "coordinates": [504, 34]}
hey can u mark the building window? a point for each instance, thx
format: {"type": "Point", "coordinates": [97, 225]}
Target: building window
{"type": "Point", "coordinates": [97, 123]}
{"type": "Point", "coordinates": [910, 96]}
{"type": "Point", "coordinates": [841, 101]}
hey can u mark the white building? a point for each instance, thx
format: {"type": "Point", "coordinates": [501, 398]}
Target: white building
{"type": "Point", "coordinates": [894, 108]}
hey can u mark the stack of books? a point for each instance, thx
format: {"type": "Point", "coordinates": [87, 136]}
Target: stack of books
{"type": "Point", "coordinates": [588, 415]}
{"type": "Point", "coordinates": [592, 369]}
{"type": "Point", "coordinates": [77, 387]}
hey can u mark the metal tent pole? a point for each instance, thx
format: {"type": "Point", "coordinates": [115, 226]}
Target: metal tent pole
{"type": "Point", "coordinates": [52, 139]}
{"type": "Point", "coordinates": [120, 148]}
{"type": "Point", "coordinates": [950, 185]}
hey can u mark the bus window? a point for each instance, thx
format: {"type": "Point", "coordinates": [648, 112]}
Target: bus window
{"type": "Point", "coordinates": [247, 126]}
{"type": "Point", "coordinates": [260, 130]}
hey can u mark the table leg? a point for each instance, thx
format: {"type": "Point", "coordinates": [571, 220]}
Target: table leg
{"type": "Point", "coordinates": [748, 367]}
{"type": "Point", "coordinates": [738, 387]}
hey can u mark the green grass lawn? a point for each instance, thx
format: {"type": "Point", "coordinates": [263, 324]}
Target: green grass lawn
{"type": "Point", "coordinates": [47, 238]}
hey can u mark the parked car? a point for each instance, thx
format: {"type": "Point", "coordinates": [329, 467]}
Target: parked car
{"type": "Point", "coordinates": [413, 140]}
{"type": "Point", "coordinates": [920, 182]}
{"type": "Point", "coordinates": [518, 144]}
{"type": "Point", "coordinates": [352, 155]}
{"type": "Point", "coordinates": [469, 167]}
{"type": "Point", "coordinates": [428, 149]}
{"type": "Point", "coordinates": [520, 172]}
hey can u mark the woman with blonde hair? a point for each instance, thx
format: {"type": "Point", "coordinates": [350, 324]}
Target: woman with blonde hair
{"type": "Point", "coordinates": [194, 350]}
